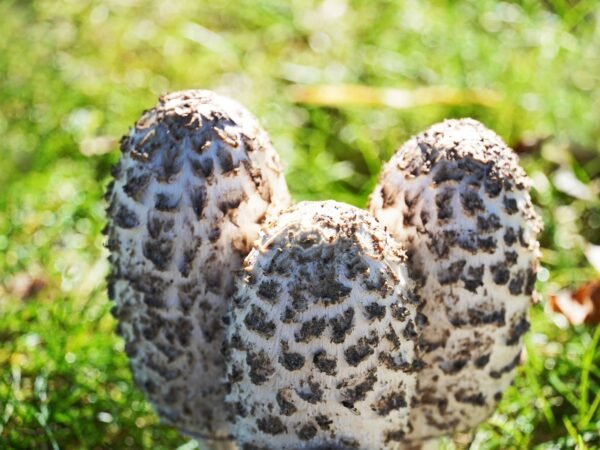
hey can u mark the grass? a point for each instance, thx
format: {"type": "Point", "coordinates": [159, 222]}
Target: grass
{"type": "Point", "coordinates": [75, 74]}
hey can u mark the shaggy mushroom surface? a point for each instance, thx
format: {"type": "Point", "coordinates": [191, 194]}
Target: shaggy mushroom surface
{"type": "Point", "coordinates": [457, 198]}
{"type": "Point", "coordinates": [322, 335]}
{"type": "Point", "coordinates": [197, 178]}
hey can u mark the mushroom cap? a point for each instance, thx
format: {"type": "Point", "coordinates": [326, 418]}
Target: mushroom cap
{"type": "Point", "coordinates": [322, 334]}
{"type": "Point", "coordinates": [457, 198]}
{"type": "Point", "coordinates": [196, 179]}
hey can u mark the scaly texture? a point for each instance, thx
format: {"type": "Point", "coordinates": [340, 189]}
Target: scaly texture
{"type": "Point", "coordinates": [321, 344]}
{"type": "Point", "coordinates": [457, 198]}
{"type": "Point", "coordinates": [196, 180]}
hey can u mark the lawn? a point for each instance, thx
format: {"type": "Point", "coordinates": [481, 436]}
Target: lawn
{"type": "Point", "coordinates": [75, 74]}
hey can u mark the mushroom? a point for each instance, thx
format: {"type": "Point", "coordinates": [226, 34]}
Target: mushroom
{"type": "Point", "coordinates": [456, 196]}
{"type": "Point", "coordinates": [197, 178]}
{"type": "Point", "coordinates": [322, 333]}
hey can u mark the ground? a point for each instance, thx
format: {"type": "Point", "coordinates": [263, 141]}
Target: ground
{"type": "Point", "coordinates": [75, 74]}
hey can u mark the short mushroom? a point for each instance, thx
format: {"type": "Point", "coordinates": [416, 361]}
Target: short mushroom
{"type": "Point", "coordinates": [197, 178]}
{"type": "Point", "coordinates": [322, 335]}
{"type": "Point", "coordinates": [456, 196]}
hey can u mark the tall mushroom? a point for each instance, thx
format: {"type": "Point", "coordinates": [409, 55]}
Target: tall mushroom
{"type": "Point", "coordinates": [197, 178]}
{"type": "Point", "coordinates": [322, 335]}
{"type": "Point", "coordinates": [456, 196]}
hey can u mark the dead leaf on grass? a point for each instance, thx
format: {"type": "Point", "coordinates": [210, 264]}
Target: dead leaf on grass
{"type": "Point", "coordinates": [580, 306]}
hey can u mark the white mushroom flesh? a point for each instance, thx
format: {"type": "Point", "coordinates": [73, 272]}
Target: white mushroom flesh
{"type": "Point", "coordinates": [197, 178]}
{"type": "Point", "coordinates": [457, 198]}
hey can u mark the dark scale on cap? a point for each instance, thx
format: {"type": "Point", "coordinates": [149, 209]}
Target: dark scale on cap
{"type": "Point", "coordinates": [324, 363]}
{"type": "Point", "coordinates": [440, 243]}
{"type": "Point", "coordinates": [355, 354]}
{"type": "Point", "coordinates": [341, 326]}
{"type": "Point", "coordinates": [452, 273]}
{"type": "Point", "coordinates": [399, 312]}
{"type": "Point", "coordinates": [443, 201]}
{"type": "Point", "coordinates": [482, 361]}
{"type": "Point", "coordinates": [517, 329]}
{"type": "Point", "coordinates": [455, 366]}
{"type": "Point", "coordinates": [198, 200]}
{"type": "Point", "coordinates": [395, 364]}
{"type": "Point", "coordinates": [291, 361]}
{"type": "Point", "coordinates": [374, 311]}
{"type": "Point", "coordinates": [473, 278]}
{"type": "Point", "coordinates": [307, 432]}
{"type": "Point", "coordinates": [207, 167]}
{"type": "Point", "coordinates": [469, 241]}
{"type": "Point", "coordinates": [390, 402]}
{"type": "Point", "coordinates": [271, 425]}
{"type": "Point", "coordinates": [126, 218]}
{"type": "Point", "coordinates": [230, 204]}
{"type": "Point", "coordinates": [410, 332]}
{"type": "Point", "coordinates": [268, 290]}
{"type": "Point", "coordinates": [311, 329]}
{"type": "Point", "coordinates": [286, 406]}
{"type": "Point", "coordinates": [500, 273]}
{"type": "Point", "coordinates": [159, 252]}
{"type": "Point", "coordinates": [260, 366]}
{"type": "Point", "coordinates": [506, 369]}
{"type": "Point", "coordinates": [488, 224]}
{"type": "Point", "coordinates": [310, 391]}
{"type": "Point", "coordinates": [158, 225]}
{"type": "Point", "coordinates": [492, 187]}
{"type": "Point", "coordinates": [477, 317]}
{"type": "Point", "coordinates": [471, 202]}
{"type": "Point", "coordinates": [225, 160]}
{"type": "Point", "coordinates": [354, 390]}
{"type": "Point", "coordinates": [446, 171]}
{"type": "Point", "coordinates": [256, 447]}
{"type": "Point", "coordinates": [510, 236]}
{"type": "Point", "coordinates": [395, 436]}
{"type": "Point", "coordinates": [511, 258]}
{"type": "Point", "coordinates": [136, 185]}
{"type": "Point", "coordinates": [477, 399]}
{"type": "Point", "coordinates": [256, 320]}
{"type": "Point", "coordinates": [324, 422]}
{"type": "Point", "coordinates": [530, 281]}
{"type": "Point", "coordinates": [329, 289]}
{"type": "Point", "coordinates": [510, 205]}
{"type": "Point", "coordinates": [487, 244]}
{"type": "Point", "coordinates": [516, 283]}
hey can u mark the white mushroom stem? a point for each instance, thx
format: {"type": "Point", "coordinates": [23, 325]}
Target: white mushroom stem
{"type": "Point", "coordinates": [197, 178]}
{"type": "Point", "coordinates": [456, 196]}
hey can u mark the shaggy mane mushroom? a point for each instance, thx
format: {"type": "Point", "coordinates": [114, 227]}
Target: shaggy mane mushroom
{"type": "Point", "coordinates": [321, 344]}
{"type": "Point", "coordinates": [456, 196]}
{"type": "Point", "coordinates": [196, 179]}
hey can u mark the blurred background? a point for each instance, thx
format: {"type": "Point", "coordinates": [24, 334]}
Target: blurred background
{"type": "Point", "coordinates": [339, 85]}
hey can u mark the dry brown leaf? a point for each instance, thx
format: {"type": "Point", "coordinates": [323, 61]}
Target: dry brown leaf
{"type": "Point", "coordinates": [359, 95]}
{"type": "Point", "coordinates": [25, 286]}
{"type": "Point", "coordinates": [581, 306]}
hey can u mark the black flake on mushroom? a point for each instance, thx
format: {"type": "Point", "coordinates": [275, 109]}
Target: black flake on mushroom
{"type": "Point", "coordinates": [196, 180]}
{"type": "Point", "coordinates": [320, 352]}
{"type": "Point", "coordinates": [456, 196]}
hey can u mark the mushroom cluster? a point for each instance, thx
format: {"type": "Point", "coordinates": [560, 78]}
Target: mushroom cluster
{"type": "Point", "coordinates": [257, 325]}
